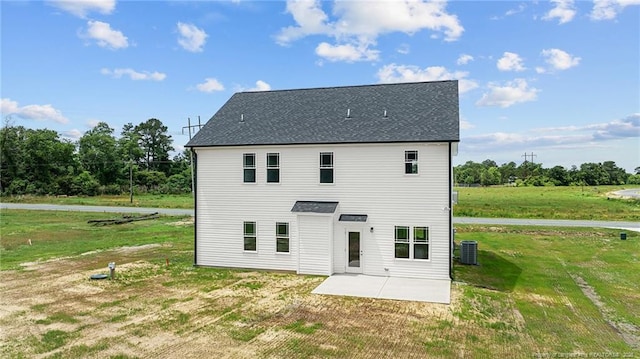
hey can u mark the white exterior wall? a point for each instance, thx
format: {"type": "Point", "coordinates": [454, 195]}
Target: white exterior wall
{"type": "Point", "coordinates": [315, 238]}
{"type": "Point", "coordinates": [369, 179]}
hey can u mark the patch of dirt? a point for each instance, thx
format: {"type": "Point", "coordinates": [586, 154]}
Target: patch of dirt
{"type": "Point", "coordinates": [137, 315]}
{"type": "Point", "coordinates": [186, 222]}
{"type": "Point", "coordinates": [629, 332]}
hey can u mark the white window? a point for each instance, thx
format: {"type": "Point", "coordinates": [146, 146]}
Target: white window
{"type": "Point", "coordinates": [250, 239]}
{"type": "Point", "coordinates": [420, 243]}
{"type": "Point", "coordinates": [411, 245]}
{"type": "Point", "coordinates": [326, 167]}
{"type": "Point", "coordinates": [249, 166]}
{"type": "Point", "coordinates": [411, 162]}
{"type": "Point", "coordinates": [273, 167]}
{"type": "Point", "coordinates": [402, 242]}
{"type": "Point", "coordinates": [282, 237]}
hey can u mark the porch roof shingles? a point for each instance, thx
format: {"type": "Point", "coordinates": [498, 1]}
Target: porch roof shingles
{"type": "Point", "coordinates": [314, 207]}
{"type": "Point", "coordinates": [415, 112]}
{"type": "Point", "coordinates": [353, 218]}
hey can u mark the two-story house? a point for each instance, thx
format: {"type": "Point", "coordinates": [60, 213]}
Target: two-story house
{"type": "Point", "coordinates": [329, 180]}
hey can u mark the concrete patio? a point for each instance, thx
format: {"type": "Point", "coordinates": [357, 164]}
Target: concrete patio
{"type": "Point", "coordinates": [412, 289]}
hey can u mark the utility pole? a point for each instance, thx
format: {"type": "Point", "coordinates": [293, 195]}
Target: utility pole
{"type": "Point", "coordinates": [532, 155]}
{"type": "Point", "coordinates": [189, 127]}
{"type": "Point", "coordinates": [130, 180]}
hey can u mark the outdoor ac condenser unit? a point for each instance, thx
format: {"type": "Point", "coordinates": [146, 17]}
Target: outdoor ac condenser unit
{"type": "Point", "coordinates": [469, 252]}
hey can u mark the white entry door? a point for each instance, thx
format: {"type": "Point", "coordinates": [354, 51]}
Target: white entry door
{"type": "Point", "coordinates": [354, 253]}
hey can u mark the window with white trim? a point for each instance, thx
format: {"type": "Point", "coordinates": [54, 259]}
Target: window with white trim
{"type": "Point", "coordinates": [411, 162]}
{"type": "Point", "coordinates": [402, 242]}
{"type": "Point", "coordinates": [420, 243]}
{"type": "Point", "coordinates": [411, 244]}
{"type": "Point", "coordinates": [282, 237]}
{"type": "Point", "coordinates": [249, 167]}
{"type": "Point", "coordinates": [273, 167]}
{"type": "Point", "coordinates": [326, 167]}
{"type": "Point", "coordinates": [250, 238]}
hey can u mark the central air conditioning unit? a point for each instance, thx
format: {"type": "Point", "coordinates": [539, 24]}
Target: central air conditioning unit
{"type": "Point", "coordinates": [469, 252]}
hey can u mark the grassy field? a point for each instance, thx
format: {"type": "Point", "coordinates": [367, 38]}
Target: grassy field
{"type": "Point", "coordinates": [143, 200]}
{"type": "Point", "coordinates": [496, 202]}
{"type": "Point", "coordinates": [538, 292]}
{"type": "Point", "coordinates": [594, 203]}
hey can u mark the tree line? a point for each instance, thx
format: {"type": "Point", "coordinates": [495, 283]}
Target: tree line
{"type": "Point", "coordinates": [38, 161]}
{"type": "Point", "coordinates": [529, 173]}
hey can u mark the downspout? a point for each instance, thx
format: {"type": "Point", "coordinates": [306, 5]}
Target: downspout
{"type": "Point", "coordinates": [450, 213]}
{"type": "Point", "coordinates": [194, 176]}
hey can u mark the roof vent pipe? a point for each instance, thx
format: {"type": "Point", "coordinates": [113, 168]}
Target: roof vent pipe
{"type": "Point", "coordinates": [385, 113]}
{"type": "Point", "coordinates": [348, 113]}
{"type": "Point", "coordinates": [242, 117]}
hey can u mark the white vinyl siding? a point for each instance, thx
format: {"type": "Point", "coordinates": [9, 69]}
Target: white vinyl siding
{"type": "Point", "coordinates": [372, 181]}
{"type": "Point", "coordinates": [314, 234]}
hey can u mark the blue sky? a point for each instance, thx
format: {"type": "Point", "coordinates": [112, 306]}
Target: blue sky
{"type": "Point", "coordinates": [559, 79]}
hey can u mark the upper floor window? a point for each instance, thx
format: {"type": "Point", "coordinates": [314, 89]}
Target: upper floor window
{"type": "Point", "coordinates": [410, 162]}
{"type": "Point", "coordinates": [273, 167]}
{"type": "Point", "coordinates": [282, 237]}
{"type": "Point", "coordinates": [249, 166]}
{"type": "Point", "coordinates": [326, 167]}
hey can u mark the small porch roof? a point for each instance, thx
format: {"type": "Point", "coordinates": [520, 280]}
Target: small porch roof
{"type": "Point", "coordinates": [353, 218]}
{"type": "Point", "coordinates": [314, 207]}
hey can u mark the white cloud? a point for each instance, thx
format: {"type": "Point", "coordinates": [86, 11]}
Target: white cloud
{"type": "Point", "coordinates": [564, 11]}
{"type": "Point", "coordinates": [409, 73]}
{"type": "Point", "coordinates": [81, 8]}
{"type": "Point", "coordinates": [356, 25]}
{"type": "Point", "coordinates": [73, 134]}
{"type": "Point", "coordinates": [566, 137]}
{"type": "Point", "coordinates": [558, 60]}
{"type": "Point", "coordinates": [513, 141]}
{"type": "Point", "coordinates": [91, 123]}
{"type": "Point", "coordinates": [134, 75]}
{"type": "Point", "coordinates": [32, 112]}
{"type": "Point", "coordinates": [210, 85]}
{"type": "Point", "coordinates": [512, 92]}
{"type": "Point", "coordinates": [628, 126]}
{"type": "Point", "coordinates": [510, 62]}
{"type": "Point", "coordinates": [404, 49]}
{"type": "Point", "coordinates": [464, 124]}
{"type": "Point", "coordinates": [464, 59]}
{"type": "Point", "coordinates": [347, 52]}
{"type": "Point", "coordinates": [105, 36]}
{"type": "Point", "coordinates": [191, 38]}
{"type": "Point", "coordinates": [609, 9]}
{"type": "Point", "coordinates": [260, 86]}
{"type": "Point", "coordinates": [521, 7]}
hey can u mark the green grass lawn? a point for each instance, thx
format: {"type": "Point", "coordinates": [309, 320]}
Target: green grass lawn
{"type": "Point", "coordinates": [545, 274]}
{"type": "Point", "coordinates": [546, 202]}
{"type": "Point", "coordinates": [60, 234]}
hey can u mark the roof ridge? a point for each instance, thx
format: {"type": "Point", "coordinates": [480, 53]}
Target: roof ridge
{"type": "Point", "coordinates": [349, 86]}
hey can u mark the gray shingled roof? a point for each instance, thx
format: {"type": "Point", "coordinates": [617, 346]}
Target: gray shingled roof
{"type": "Point", "coordinates": [353, 218]}
{"type": "Point", "coordinates": [314, 207]}
{"type": "Point", "coordinates": [415, 112]}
